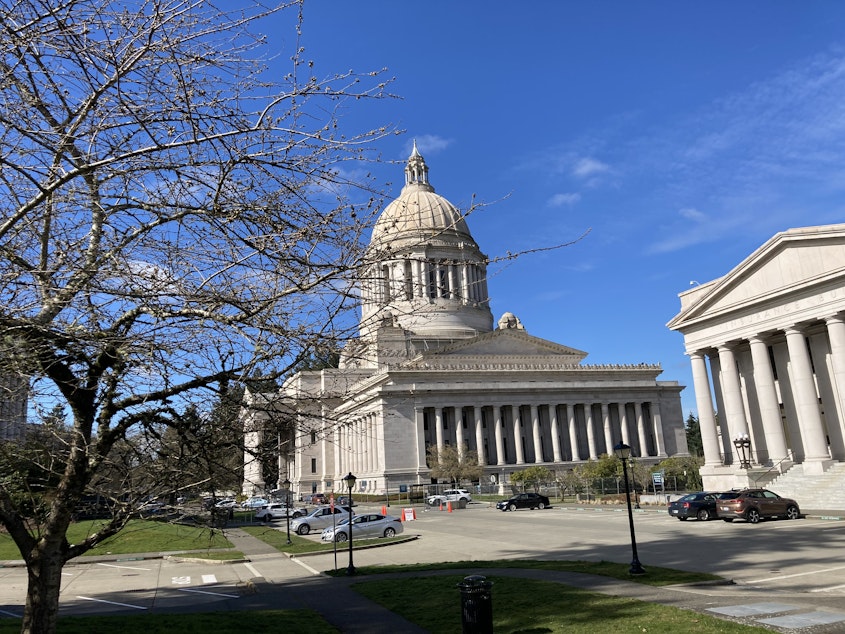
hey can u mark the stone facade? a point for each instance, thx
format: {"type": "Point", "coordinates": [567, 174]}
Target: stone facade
{"type": "Point", "coordinates": [767, 348]}
{"type": "Point", "coordinates": [430, 368]}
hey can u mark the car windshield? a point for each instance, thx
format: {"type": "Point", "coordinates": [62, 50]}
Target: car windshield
{"type": "Point", "coordinates": [728, 495]}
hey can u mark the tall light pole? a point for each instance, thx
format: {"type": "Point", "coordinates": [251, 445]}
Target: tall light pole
{"type": "Point", "coordinates": [349, 479]}
{"type": "Point", "coordinates": [287, 506]}
{"type": "Point", "coordinates": [623, 452]}
{"type": "Point", "coordinates": [743, 444]}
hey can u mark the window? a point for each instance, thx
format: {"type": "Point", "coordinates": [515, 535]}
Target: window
{"type": "Point", "coordinates": [313, 465]}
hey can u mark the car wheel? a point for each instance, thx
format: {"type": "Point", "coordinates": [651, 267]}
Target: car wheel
{"type": "Point", "coordinates": [541, 506]}
{"type": "Point", "coordinates": [340, 537]}
{"type": "Point", "coordinates": [389, 532]}
{"type": "Point", "coordinates": [752, 515]}
{"type": "Point", "coordinates": [303, 529]}
{"type": "Point", "coordinates": [703, 515]}
{"type": "Point", "coordinates": [512, 507]}
{"type": "Point", "coordinates": [792, 513]}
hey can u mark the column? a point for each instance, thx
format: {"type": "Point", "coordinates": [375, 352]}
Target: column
{"type": "Point", "coordinates": [591, 434]}
{"type": "Point", "coordinates": [732, 393]}
{"type": "Point", "coordinates": [657, 421]}
{"type": "Point", "coordinates": [836, 334]}
{"type": "Point", "coordinates": [623, 422]}
{"type": "Point", "coordinates": [438, 427]}
{"type": "Point", "coordinates": [459, 429]}
{"type": "Point", "coordinates": [464, 283]}
{"type": "Point", "coordinates": [706, 414]}
{"type": "Point", "coordinates": [517, 434]}
{"type": "Point", "coordinates": [638, 412]}
{"type": "Point", "coordinates": [535, 432]}
{"type": "Point", "coordinates": [500, 439]}
{"type": "Point", "coordinates": [806, 398]}
{"type": "Point", "coordinates": [608, 430]}
{"type": "Point", "coordinates": [479, 435]}
{"type": "Point", "coordinates": [420, 436]}
{"type": "Point", "coordinates": [555, 433]}
{"type": "Point", "coordinates": [573, 431]}
{"type": "Point", "coordinates": [767, 401]}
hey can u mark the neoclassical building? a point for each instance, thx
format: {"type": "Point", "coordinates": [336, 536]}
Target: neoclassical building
{"type": "Point", "coordinates": [767, 348]}
{"type": "Point", "coordinates": [430, 368]}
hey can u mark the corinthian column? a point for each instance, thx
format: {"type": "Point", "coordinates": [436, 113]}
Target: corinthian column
{"type": "Point", "coordinates": [767, 401]}
{"type": "Point", "coordinates": [806, 398]}
{"type": "Point", "coordinates": [732, 393]}
{"type": "Point", "coordinates": [706, 415]}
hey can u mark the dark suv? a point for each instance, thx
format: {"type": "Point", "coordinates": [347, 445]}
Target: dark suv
{"type": "Point", "coordinates": [754, 504]}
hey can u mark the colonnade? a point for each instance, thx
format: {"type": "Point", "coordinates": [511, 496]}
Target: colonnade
{"type": "Point", "coordinates": [783, 388]}
{"type": "Point", "coordinates": [542, 433]}
{"type": "Point", "coordinates": [419, 276]}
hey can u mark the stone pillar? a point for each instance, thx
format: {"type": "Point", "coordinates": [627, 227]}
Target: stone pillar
{"type": "Point", "coordinates": [591, 433]}
{"type": "Point", "coordinates": [806, 397]}
{"type": "Point", "coordinates": [419, 419]}
{"type": "Point", "coordinates": [459, 429]}
{"type": "Point", "coordinates": [706, 414]}
{"type": "Point", "coordinates": [638, 412]}
{"type": "Point", "coordinates": [836, 335]}
{"type": "Point", "coordinates": [535, 433]}
{"type": "Point", "coordinates": [608, 430]}
{"type": "Point", "coordinates": [500, 440]}
{"type": "Point", "coordinates": [767, 402]}
{"type": "Point", "coordinates": [438, 427]}
{"type": "Point", "coordinates": [732, 393]}
{"type": "Point", "coordinates": [479, 435]}
{"type": "Point", "coordinates": [573, 431]}
{"type": "Point", "coordinates": [623, 422]}
{"type": "Point", "coordinates": [517, 434]}
{"type": "Point", "coordinates": [657, 421]}
{"type": "Point", "coordinates": [555, 433]}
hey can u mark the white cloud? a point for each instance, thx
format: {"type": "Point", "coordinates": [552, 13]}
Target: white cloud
{"type": "Point", "coordinates": [565, 199]}
{"type": "Point", "coordinates": [692, 214]}
{"type": "Point", "coordinates": [427, 144]}
{"type": "Point", "coordinates": [589, 167]}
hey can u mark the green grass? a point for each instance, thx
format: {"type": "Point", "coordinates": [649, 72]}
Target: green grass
{"type": "Point", "coordinates": [655, 576]}
{"type": "Point", "coordinates": [529, 606]}
{"type": "Point", "coordinates": [139, 536]}
{"type": "Point", "coordinates": [217, 622]}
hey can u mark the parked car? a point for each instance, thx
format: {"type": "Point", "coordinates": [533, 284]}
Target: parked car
{"type": "Point", "coordinates": [320, 518]}
{"type": "Point", "coordinates": [753, 505]}
{"type": "Point", "coordinates": [255, 502]}
{"type": "Point", "coordinates": [450, 495]}
{"type": "Point", "coordinates": [523, 501]}
{"type": "Point", "coordinates": [700, 505]}
{"type": "Point", "coordinates": [366, 525]}
{"type": "Point", "coordinates": [226, 503]}
{"type": "Point", "coordinates": [277, 510]}
{"type": "Point", "coordinates": [315, 498]}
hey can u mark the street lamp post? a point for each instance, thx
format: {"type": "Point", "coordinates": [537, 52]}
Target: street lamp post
{"type": "Point", "coordinates": [623, 452]}
{"type": "Point", "coordinates": [743, 445]}
{"type": "Point", "coordinates": [349, 479]}
{"type": "Point", "coordinates": [287, 506]}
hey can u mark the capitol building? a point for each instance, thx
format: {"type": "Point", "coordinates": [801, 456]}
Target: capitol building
{"type": "Point", "coordinates": [432, 367]}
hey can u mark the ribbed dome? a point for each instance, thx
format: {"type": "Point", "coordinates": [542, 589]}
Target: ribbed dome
{"type": "Point", "coordinates": [419, 214]}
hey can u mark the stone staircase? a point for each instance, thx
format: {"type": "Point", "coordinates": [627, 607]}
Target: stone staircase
{"type": "Point", "coordinates": [824, 492]}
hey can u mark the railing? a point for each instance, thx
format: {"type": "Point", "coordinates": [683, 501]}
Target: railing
{"type": "Point", "coordinates": [766, 477]}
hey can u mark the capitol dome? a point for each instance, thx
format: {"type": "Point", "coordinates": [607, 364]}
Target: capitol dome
{"type": "Point", "coordinates": [419, 215]}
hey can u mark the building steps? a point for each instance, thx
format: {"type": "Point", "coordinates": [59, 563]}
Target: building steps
{"type": "Point", "coordinates": [813, 491]}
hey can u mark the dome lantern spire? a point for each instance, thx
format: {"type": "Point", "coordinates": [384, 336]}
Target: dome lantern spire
{"type": "Point", "coordinates": [416, 171]}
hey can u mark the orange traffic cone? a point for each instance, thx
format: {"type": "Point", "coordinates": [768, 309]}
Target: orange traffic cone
{"type": "Point", "coordinates": [441, 505]}
{"type": "Point", "coordinates": [449, 506]}
{"type": "Point", "coordinates": [384, 510]}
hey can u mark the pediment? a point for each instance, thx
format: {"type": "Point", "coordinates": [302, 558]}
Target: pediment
{"type": "Point", "coordinates": [793, 260]}
{"type": "Point", "coordinates": [508, 343]}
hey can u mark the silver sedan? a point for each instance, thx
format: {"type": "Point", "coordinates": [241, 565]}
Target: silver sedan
{"type": "Point", "coordinates": [367, 525]}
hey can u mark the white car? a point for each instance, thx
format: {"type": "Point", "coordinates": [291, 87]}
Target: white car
{"type": "Point", "coordinates": [255, 502]}
{"type": "Point", "coordinates": [320, 518]}
{"type": "Point", "coordinates": [365, 525]}
{"type": "Point", "coordinates": [450, 495]}
{"type": "Point", "coordinates": [277, 510]}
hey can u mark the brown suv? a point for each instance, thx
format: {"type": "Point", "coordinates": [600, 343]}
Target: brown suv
{"type": "Point", "coordinates": [754, 504]}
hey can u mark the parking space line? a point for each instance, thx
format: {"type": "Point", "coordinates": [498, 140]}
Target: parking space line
{"type": "Point", "coordinates": [124, 605]}
{"type": "Point", "coordinates": [797, 574]}
{"type": "Point", "coordinates": [216, 594]}
{"type": "Point", "coordinates": [17, 616]}
{"type": "Point", "coordinates": [126, 567]}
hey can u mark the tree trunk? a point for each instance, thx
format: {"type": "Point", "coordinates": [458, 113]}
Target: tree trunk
{"type": "Point", "coordinates": [42, 593]}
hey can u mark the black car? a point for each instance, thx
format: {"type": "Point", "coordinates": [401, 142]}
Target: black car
{"type": "Point", "coordinates": [524, 501]}
{"type": "Point", "coordinates": [701, 505]}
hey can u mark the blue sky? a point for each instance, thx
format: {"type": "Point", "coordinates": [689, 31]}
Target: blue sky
{"type": "Point", "coordinates": [681, 135]}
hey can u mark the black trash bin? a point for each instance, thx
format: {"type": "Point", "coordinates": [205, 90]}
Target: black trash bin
{"type": "Point", "coordinates": [476, 605]}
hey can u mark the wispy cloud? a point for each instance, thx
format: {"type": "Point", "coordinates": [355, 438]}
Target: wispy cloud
{"type": "Point", "coordinates": [427, 144]}
{"type": "Point", "coordinates": [586, 168]}
{"type": "Point", "coordinates": [564, 200]}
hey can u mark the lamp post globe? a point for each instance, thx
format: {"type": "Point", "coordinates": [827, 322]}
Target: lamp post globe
{"type": "Point", "coordinates": [350, 479]}
{"type": "Point", "coordinates": [623, 452]}
{"type": "Point", "coordinates": [287, 506]}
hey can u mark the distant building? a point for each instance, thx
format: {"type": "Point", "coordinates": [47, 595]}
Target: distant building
{"type": "Point", "coordinates": [767, 347]}
{"type": "Point", "coordinates": [430, 368]}
{"type": "Point", "coordinates": [13, 407]}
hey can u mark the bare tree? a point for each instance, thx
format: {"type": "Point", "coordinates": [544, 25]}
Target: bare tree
{"type": "Point", "coordinates": [450, 464]}
{"type": "Point", "coordinates": [173, 217]}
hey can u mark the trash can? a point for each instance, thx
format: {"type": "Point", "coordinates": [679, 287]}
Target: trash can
{"type": "Point", "coordinates": [476, 605]}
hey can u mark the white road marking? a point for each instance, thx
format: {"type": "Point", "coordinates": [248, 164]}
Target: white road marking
{"type": "Point", "coordinates": [797, 574]}
{"type": "Point", "coordinates": [306, 566]}
{"type": "Point", "coordinates": [252, 569]}
{"type": "Point", "coordinates": [216, 594]}
{"type": "Point", "coordinates": [127, 567]}
{"type": "Point", "coordinates": [209, 579]}
{"type": "Point", "coordinates": [827, 589]}
{"type": "Point", "coordinates": [181, 581]}
{"type": "Point", "coordinates": [17, 616]}
{"type": "Point", "coordinates": [124, 605]}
